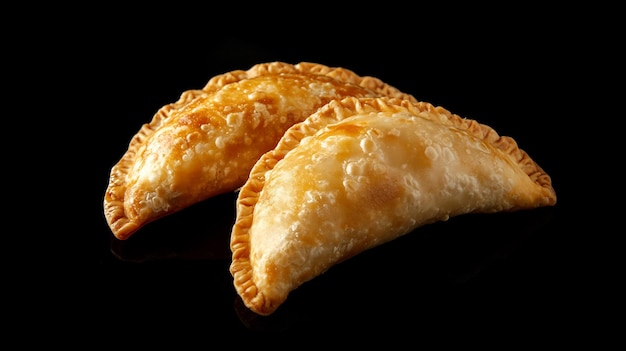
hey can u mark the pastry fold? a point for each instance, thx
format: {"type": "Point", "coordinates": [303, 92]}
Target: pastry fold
{"type": "Point", "coordinates": [206, 143]}
{"type": "Point", "coordinates": [360, 172]}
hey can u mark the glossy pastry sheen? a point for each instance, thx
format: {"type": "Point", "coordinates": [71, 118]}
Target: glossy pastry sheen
{"type": "Point", "coordinates": [206, 143]}
{"type": "Point", "coordinates": [359, 173]}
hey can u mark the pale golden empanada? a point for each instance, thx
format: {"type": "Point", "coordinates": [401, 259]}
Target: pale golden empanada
{"type": "Point", "coordinates": [206, 143]}
{"type": "Point", "coordinates": [359, 173]}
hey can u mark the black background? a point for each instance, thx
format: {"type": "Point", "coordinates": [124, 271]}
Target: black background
{"type": "Point", "coordinates": [521, 276]}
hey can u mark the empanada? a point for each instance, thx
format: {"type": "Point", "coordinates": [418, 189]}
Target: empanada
{"type": "Point", "coordinates": [206, 143]}
{"type": "Point", "coordinates": [359, 173]}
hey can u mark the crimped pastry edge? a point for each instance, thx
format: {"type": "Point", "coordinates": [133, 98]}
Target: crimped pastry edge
{"type": "Point", "coordinates": [121, 226]}
{"type": "Point", "coordinates": [241, 267]}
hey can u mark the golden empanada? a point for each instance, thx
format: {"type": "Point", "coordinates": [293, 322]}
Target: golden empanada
{"type": "Point", "coordinates": [359, 173]}
{"type": "Point", "coordinates": [206, 143]}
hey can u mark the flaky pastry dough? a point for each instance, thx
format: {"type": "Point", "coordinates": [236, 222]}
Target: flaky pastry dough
{"type": "Point", "coordinates": [359, 173]}
{"type": "Point", "coordinates": [206, 143]}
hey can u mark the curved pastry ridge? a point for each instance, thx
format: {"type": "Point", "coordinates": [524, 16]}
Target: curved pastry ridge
{"type": "Point", "coordinates": [360, 172]}
{"type": "Point", "coordinates": [205, 143]}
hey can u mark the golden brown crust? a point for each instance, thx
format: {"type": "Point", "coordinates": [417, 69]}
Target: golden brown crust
{"type": "Point", "coordinates": [263, 265]}
{"type": "Point", "coordinates": [148, 182]}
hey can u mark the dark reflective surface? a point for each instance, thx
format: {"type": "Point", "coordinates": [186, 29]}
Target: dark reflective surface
{"type": "Point", "coordinates": [470, 264]}
{"type": "Point", "coordinates": [520, 275]}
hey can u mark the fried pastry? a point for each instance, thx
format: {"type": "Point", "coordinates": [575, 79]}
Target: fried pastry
{"type": "Point", "coordinates": [206, 143]}
{"type": "Point", "coordinates": [359, 173]}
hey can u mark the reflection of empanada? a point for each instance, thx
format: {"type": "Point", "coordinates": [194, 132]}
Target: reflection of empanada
{"type": "Point", "coordinates": [206, 143]}
{"type": "Point", "coordinates": [359, 173]}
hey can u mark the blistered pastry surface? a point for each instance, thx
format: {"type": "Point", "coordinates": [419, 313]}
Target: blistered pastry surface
{"type": "Point", "coordinates": [206, 143]}
{"type": "Point", "coordinates": [359, 173]}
